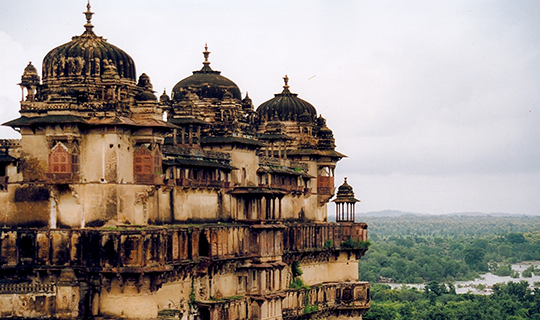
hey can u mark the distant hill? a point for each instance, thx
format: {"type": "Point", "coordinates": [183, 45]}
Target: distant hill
{"type": "Point", "coordinates": [389, 213]}
{"type": "Point", "coordinates": [398, 213]}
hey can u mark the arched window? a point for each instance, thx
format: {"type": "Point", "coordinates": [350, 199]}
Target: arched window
{"type": "Point", "coordinates": [204, 246]}
{"type": "Point", "coordinates": [75, 164]}
{"type": "Point", "coordinates": [143, 166]}
{"type": "Point", "coordinates": [157, 161]}
{"type": "Point", "coordinates": [60, 159]}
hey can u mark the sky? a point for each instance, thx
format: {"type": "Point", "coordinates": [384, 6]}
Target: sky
{"type": "Point", "coordinates": [435, 103]}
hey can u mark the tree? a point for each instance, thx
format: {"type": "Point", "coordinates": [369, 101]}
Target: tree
{"type": "Point", "coordinates": [474, 257]}
{"type": "Point", "coordinates": [515, 237]}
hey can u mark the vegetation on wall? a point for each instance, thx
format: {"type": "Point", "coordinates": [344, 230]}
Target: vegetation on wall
{"type": "Point", "coordinates": [31, 194]}
{"type": "Point", "coordinates": [32, 169]}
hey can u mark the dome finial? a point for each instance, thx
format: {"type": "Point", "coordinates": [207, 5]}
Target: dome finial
{"type": "Point", "coordinates": [88, 15]}
{"type": "Point", "coordinates": [286, 86]}
{"type": "Point", "coordinates": [206, 53]}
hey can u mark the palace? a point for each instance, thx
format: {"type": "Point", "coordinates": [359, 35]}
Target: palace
{"type": "Point", "coordinates": [218, 210]}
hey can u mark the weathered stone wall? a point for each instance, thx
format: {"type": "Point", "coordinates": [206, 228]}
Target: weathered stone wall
{"type": "Point", "coordinates": [341, 269]}
{"type": "Point", "coordinates": [134, 272]}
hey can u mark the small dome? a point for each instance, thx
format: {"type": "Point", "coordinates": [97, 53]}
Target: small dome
{"type": "Point", "coordinates": [147, 94]}
{"type": "Point", "coordinates": [206, 83]}
{"type": "Point", "coordinates": [286, 106]}
{"type": "Point", "coordinates": [247, 104]}
{"type": "Point", "coordinates": [164, 98]}
{"type": "Point", "coordinates": [325, 135]}
{"type": "Point", "coordinates": [345, 193]}
{"type": "Point", "coordinates": [87, 55]}
{"type": "Point", "coordinates": [30, 75]}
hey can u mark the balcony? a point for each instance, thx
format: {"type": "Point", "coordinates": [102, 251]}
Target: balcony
{"type": "Point", "coordinates": [135, 249]}
{"type": "Point", "coordinates": [63, 178]}
{"type": "Point", "coordinates": [285, 187]}
{"type": "Point", "coordinates": [149, 178]}
{"type": "Point", "coordinates": [194, 183]}
{"type": "Point", "coordinates": [234, 308]}
{"type": "Point", "coordinates": [351, 298]}
{"type": "Point", "coordinates": [303, 238]}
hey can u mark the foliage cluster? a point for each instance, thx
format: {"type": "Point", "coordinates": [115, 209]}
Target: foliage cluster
{"type": "Point", "coordinates": [297, 282]}
{"type": "Point", "coordinates": [450, 225]}
{"type": "Point", "coordinates": [512, 301]}
{"type": "Point", "coordinates": [456, 255]}
{"type": "Point", "coordinates": [355, 244]}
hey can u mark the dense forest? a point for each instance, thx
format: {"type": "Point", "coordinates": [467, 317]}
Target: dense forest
{"type": "Point", "coordinates": [438, 250]}
{"type": "Point", "coordinates": [512, 301]}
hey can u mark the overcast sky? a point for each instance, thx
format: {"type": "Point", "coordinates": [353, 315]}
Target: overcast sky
{"type": "Point", "coordinates": [437, 104]}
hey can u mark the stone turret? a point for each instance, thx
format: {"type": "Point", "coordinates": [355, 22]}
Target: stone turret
{"type": "Point", "coordinates": [345, 203]}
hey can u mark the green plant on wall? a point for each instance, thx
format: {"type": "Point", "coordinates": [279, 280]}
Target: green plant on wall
{"type": "Point", "coordinates": [355, 244]}
{"type": "Point", "coordinates": [328, 244]}
{"type": "Point", "coordinates": [297, 282]}
{"type": "Point", "coordinates": [308, 308]}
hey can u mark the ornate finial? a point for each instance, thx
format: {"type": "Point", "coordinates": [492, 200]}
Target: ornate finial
{"type": "Point", "coordinates": [206, 53]}
{"type": "Point", "coordinates": [345, 178]}
{"type": "Point", "coordinates": [88, 15]}
{"type": "Point", "coordinates": [286, 86]}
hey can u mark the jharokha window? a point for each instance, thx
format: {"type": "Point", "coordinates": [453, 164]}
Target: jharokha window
{"type": "Point", "coordinates": [146, 164]}
{"type": "Point", "coordinates": [63, 163]}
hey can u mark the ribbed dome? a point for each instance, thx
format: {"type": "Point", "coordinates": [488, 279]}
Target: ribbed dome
{"type": "Point", "coordinates": [286, 106]}
{"type": "Point", "coordinates": [87, 55]}
{"type": "Point", "coordinates": [206, 83]}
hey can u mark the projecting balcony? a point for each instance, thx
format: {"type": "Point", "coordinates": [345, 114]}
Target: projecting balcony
{"type": "Point", "coordinates": [149, 178]}
{"type": "Point", "coordinates": [285, 187]}
{"type": "Point", "coordinates": [195, 183]}
{"type": "Point", "coordinates": [63, 178]}
{"type": "Point", "coordinates": [224, 308]}
{"type": "Point", "coordinates": [305, 238]}
{"type": "Point", "coordinates": [350, 298]}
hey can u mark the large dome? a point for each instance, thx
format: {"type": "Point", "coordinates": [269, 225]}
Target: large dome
{"type": "Point", "coordinates": [206, 83]}
{"type": "Point", "coordinates": [286, 106]}
{"type": "Point", "coordinates": [87, 55]}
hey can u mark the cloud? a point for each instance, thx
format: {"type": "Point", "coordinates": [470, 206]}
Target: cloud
{"type": "Point", "coordinates": [12, 64]}
{"type": "Point", "coordinates": [435, 103]}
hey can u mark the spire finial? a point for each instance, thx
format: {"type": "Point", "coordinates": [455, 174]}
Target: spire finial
{"type": "Point", "coordinates": [345, 178]}
{"type": "Point", "coordinates": [88, 15]}
{"type": "Point", "coordinates": [286, 86]}
{"type": "Point", "coordinates": [206, 53]}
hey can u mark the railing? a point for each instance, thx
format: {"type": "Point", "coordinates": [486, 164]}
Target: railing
{"type": "Point", "coordinates": [327, 296]}
{"type": "Point", "coordinates": [233, 308]}
{"type": "Point", "coordinates": [279, 162]}
{"type": "Point", "coordinates": [194, 183]}
{"type": "Point", "coordinates": [156, 248]}
{"type": "Point", "coordinates": [149, 178]}
{"type": "Point", "coordinates": [125, 248]}
{"type": "Point", "coordinates": [60, 178]}
{"type": "Point", "coordinates": [286, 187]}
{"type": "Point", "coordinates": [323, 236]}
